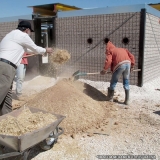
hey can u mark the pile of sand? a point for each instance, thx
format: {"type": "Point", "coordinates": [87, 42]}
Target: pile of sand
{"type": "Point", "coordinates": [60, 56]}
{"type": "Point", "coordinates": [25, 122]}
{"type": "Point", "coordinates": [67, 98]}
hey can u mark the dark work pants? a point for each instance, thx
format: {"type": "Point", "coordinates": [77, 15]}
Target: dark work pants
{"type": "Point", "coordinates": [7, 74]}
{"type": "Point", "coordinates": [6, 105]}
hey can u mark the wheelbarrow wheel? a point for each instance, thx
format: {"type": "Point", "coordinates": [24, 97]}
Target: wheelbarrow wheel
{"type": "Point", "coordinates": [44, 146]}
{"type": "Point", "coordinates": [58, 131]}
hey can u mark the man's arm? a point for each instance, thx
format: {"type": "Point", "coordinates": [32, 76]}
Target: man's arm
{"type": "Point", "coordinates": [108, 61]}
{"type": "Point", "coordinates": [33, 48]}
{"type": "Point", "coordinates": [131, 56]}
{"type": "Point", "coordinates": [107, 64]}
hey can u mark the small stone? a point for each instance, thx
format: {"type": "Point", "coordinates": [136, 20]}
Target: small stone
{"type": "Point", "coordinates": [90, 134]}
{"type": "Point", "coordinates": [102, 129]}
{"type": "Point", "coordinates": [73, 136]}
{"type": "Point", "coordinates": [116, 123]}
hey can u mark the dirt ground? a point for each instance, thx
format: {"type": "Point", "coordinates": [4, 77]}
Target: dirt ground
{"type": "Point", "coordinates": [92, 125]}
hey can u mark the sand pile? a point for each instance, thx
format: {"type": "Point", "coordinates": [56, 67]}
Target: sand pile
{"type": "Point", "coordinates": [81, 111]}
{"type": "Point", "coordinates": [60, 56]}
{"type": "Point", "coordinates": [25, 122]}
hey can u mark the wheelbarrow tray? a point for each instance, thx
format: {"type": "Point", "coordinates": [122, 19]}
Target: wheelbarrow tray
{"type": "Point", "coordinates": [30, 139]}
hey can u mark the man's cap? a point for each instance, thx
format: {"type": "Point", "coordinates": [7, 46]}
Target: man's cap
{"type": "Point", "coordinates": [25, 24]}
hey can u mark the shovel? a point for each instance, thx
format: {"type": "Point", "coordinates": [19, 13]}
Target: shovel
{"type": "Point", "coordinates": [78, 73]}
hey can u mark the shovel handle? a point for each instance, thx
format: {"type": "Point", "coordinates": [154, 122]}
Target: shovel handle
{"type": "Point", "coordinates": [135, 70]}
{"type": "Point", "coordinates": [93, 73]}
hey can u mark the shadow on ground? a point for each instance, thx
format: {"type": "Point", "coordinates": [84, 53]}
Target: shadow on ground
{"type": "Point", "coordinates": [33, 153]}
{"type": "Point", "coordinates": [94, 93]}
{"type": "Point", "coordinates": [157, 112]}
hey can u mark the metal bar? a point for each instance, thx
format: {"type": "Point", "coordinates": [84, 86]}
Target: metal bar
{"type": "Point", "coordinates": [37, 30]}
{"type": "Point", "coordinates": [141, 46]}
{"type": "Point", "coordinates": [59, 131]}
{"type": "Point", "coordinates": [53, 31]}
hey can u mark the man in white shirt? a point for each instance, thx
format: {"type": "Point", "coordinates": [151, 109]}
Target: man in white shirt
{"type": "Point", "coordinates": [12, 48]}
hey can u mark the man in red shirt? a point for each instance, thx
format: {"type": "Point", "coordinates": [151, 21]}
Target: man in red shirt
{"type": "Point", "coordinates": [121, 62]}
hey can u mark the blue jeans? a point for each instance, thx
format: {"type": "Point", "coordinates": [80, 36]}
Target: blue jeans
{"type": "Point", "coordinates": [20, 75]}
{"type": "Point", "coordinates": [123, 70]}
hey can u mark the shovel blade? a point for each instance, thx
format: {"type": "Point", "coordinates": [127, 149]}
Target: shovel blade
{"type": "Point", "coordinates": [76, 78]}
{"type": "Point", "coordinates": [77, 74]}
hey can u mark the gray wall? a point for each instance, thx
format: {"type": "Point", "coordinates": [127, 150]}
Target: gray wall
{"type": "Point", "coordinates": [152, 48]}
{"type": "Point", "coordinates": [72, 34]}
{"type": "Point", "coordinates": [6, 27]}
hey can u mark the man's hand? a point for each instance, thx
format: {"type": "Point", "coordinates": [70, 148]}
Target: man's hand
{"type": "Point", "coordinates": [103, 72]}
{"type": "Point", "coordinates": [49, 50]}
{"type": "Point", "coordinates": [131, 69]}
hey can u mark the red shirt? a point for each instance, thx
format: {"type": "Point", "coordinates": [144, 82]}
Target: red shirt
{"type": "Point", "coordinates": [24, 59]}
{"type": "Point", "coordinates": [117, 56]}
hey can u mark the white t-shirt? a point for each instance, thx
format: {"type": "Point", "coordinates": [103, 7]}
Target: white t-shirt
{"type": "Point", "coordinates": [15, 43]}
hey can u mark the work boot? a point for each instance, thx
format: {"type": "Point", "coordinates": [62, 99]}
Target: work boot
{"type": "Point", "coordinates": [126, 97]}
{"type": "Point", "coordinates": [110, 95]}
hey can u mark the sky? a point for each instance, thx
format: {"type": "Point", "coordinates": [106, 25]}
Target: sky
{"type": "Point", "coordinates": [9, 8]}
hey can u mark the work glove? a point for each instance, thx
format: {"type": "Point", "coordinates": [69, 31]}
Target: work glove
{"type": "Point", "coordinates": [103, 72]}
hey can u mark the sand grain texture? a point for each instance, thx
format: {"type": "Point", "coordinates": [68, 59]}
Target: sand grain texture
{"type": "Point", "coordinates": [81, 111]}
{"type": "Point", "coordinates": [60, 56]}
{"type": "Point", "coordinates": [25, 122]}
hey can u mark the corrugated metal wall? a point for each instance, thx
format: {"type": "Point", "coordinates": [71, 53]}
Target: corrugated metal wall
{"type": "Point", "coordinates": [6, 27]}
{"type": "Point", "coordinates": [72, 34]}
{"type": "Point", "coordinates": [152, 48]}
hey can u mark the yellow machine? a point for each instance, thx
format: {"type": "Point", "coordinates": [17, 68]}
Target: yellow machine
{"type": "Point", "coordinates": [156, 6]}
{"type": "Point", "coordinates": [51, 9]}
